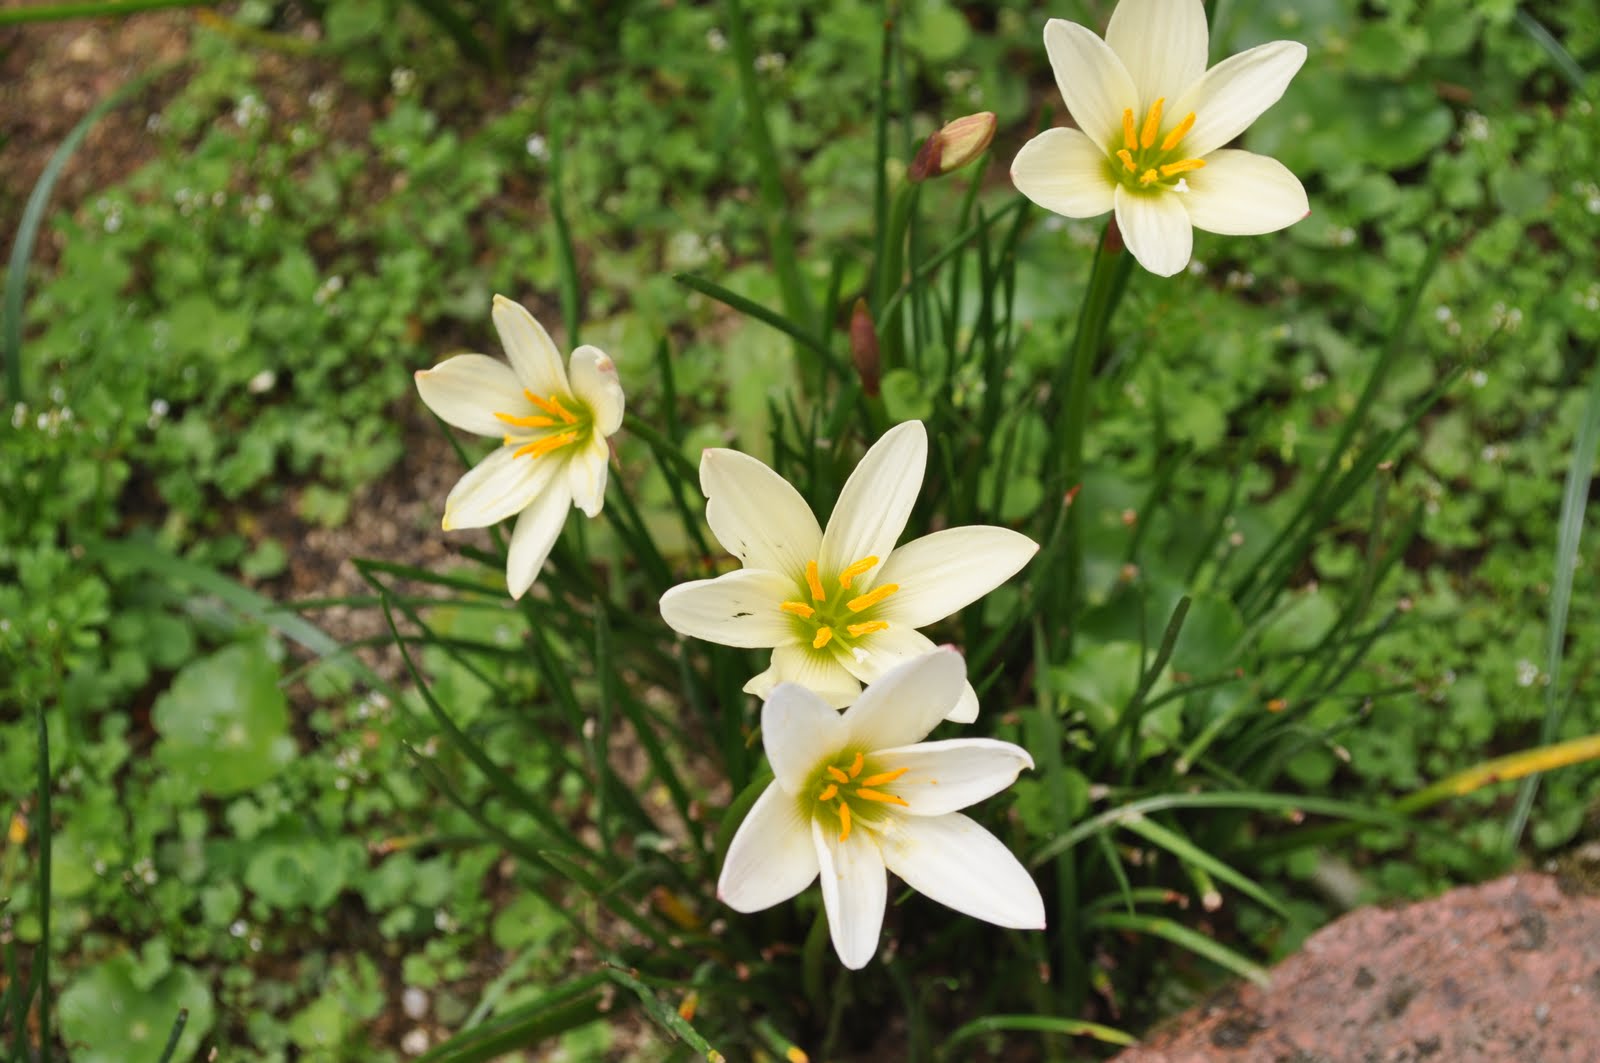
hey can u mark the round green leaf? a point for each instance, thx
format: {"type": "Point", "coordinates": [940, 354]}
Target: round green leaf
{"type": "Point", "coordinates": [106, 1018]}
{"type": "Point", "coordinates": [225, 722]}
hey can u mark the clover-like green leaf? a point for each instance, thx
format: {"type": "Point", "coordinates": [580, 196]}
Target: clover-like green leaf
{"type": "Point", "coordinates": [224, 722]}
{"type": "Point", "coordinates": [107, 1018]}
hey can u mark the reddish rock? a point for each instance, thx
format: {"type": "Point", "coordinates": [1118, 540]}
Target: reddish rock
{"type": "Point", "coordinates": [1506, 972]}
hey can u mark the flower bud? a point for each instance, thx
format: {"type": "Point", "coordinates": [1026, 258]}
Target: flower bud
{"type": "Point", "coordinates": [864, 347]}
{"type": "Point", "coordinates": [953, 146]}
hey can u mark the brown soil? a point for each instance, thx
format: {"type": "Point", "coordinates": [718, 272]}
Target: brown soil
{"type": "Point", "coordinates": [51, 74]}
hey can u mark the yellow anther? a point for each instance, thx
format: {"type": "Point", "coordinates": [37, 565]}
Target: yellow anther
{"type": "Point", "coordinates": [1149, 177]}
{"type": "Point", "coordinates": [855, 569]}
{"type": "Point", "coordinates": [857, 630]}
{"type": "Point", "coordinates": [1172, 169]}
{"type": "Point", "coordinates": [824, 636]}
{"type": "Point", "coordinates": [871, 598]}
{"type": "Point", "coordinates": [855, 765]}
{"type": "Point", "coordinates": [814, 581]}
{"type": "Point", "coordinates": [844, 821]}
{"type": "Point", "coordinates": [875, 795]}
{"type": "Point", "coordinates": [1152, 124]}
{"type": "Point", "coordinates": [884, 777]}
{"type": "Point", "coordinates": [838, 774]}
{"type": "Point", "coordinates": [540, 447]}
{"type": "Point", "coordinates": [800, 609]}
{"type": "Point", "coordinates": [1179, 131]}
{"type": "Point", "coordinates": [531, 420]}
{"type": "Point", "coordinates": [1127, 160]}
{"type": "Point", "coordinates": [1130, 132]}
{"type": "Point", "coordinates": [552, 406]}
{"type": "Point", "coordinates": [829, 793]}
{"type": "Point", "coordinates": [795, 1054]}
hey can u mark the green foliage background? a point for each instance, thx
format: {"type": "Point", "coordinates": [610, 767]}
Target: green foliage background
{"type": "Point", "coordinates": [228, 332]}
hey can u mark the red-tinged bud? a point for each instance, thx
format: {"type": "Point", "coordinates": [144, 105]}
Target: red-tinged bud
{"type": "Point", "coordinates": [953, 146]}
{"type": "Point", "coordinates": [864, 348]}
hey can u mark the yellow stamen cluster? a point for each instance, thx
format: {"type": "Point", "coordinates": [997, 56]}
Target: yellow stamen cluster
{"type": "Point", "coordinates": [838, 789]}
{"type": "Point", "coordinates": [1146, 157]}
{"type": "Point", "coordinates": [568, 424]}
{"type": "Point", "coordinates": [826, 625]}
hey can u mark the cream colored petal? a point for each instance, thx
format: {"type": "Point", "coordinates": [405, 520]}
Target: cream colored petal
{"type": "Point", "coordinates": [821, 672]}
{"type": "Point", "coordinates": [1093, 82]}
{"type": "Point", "coordinates": [950, 775]}
{"type": "Point", "coordinates": [594, 381]}
{"type": "Point", "coordinates": [799, 731]}
{"type": "Point", "coordinates": [468, 390]}
{"type": "Point", "coordinates": [948, 570]}
{"type": "Point", "coordinates": [496, 488]}
{"type": "Point", "coordinates": [586, 476]}
{"type": "Point", "coordinates": [772, 856]}
{"type": "Point", "coordinates": [1235, 92]}
{"type": "Point", "coordinates": [952, 860]}
{"type": "Point", "coordinates": [875, 503]}
{"type": "Point", "coordinates": [1156, 229]}
{"type": "Point", "coordinates": [1162, 43]}
{"type": "Point", "coordinates": [1064, 171]}
{"type": "Point", "coordinates": [536, 532]}
{"type": "Point", "coordinates": [883, 651]}
{"type": "Point", "coordinates": [855, 891]}
{"type": "Point", "coordinates": [906, 702]}
{"type": "Point", "coordinates": [1242, 194]}
{"type": "Point", "coordinates": [757, 515]}
{"type": "Point", "coordinates": [528, 347]}
{"type": "Point", "coordinates": [735, 609]}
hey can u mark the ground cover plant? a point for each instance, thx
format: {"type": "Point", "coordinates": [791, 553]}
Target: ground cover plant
{"type": "Point", "coordinates": [1253, 554]}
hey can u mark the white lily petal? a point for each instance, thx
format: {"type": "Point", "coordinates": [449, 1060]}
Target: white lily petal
{"type": "Point", "coordinates": [855, 891]}
{"type": "Point", "coordinates": [756, 514]}
{"type": "Point", "coordinates": [950, 775]}
{"type": "Point", "coordinates": [536, 532]}
{"type": "Point", "coordinates": [954, 861]}
{"type": "Point", "coordinates": [1064, 171]}
{"type": "Point", "coordinates": [883, 651]}
{"type": "Point", "coordinates": [1232, 94]}
{"type": "Point", "coordinates": [469, 389]}
{"type": "Point", "coordinates": [948, 570]}
{"type": "Point", "coordinates": [799, 731]}
{"type": "Point", "coordinates": [495, 488]}
{"type": "Point", "coordinates": [1162, 43]}
{"type": "Point", "coordinates": [1094, 84]}
{"type": "Point", "coordinates": [529, 349]}
{"type": "Point", "coordinates": [1239, 193]}
{"type": "Point", "coordinates": [771, 857]}
{"type": "Point", "coordinates": [907, 701]}
{"type": "Point", "coordinates": [876, 502]}
{"type": "Point", "coordinates": [735, 609]}
{"type": "Point", "coordinates": [594, 381]}
{"type": "Point", "coordinates": [822, 673]}
{"type": "Point", "coordinates": [1156, 229]}
{"type": "Point", "coordinates": [586, 475]}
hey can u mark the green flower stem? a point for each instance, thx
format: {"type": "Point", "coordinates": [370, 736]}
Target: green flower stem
{"type": "Point", "coordinates": [891, 323]}
{"type": "Point", "coordinates": [1108, 278]}
{"type": "Point", "coordinates": [41, 959]}
{"type": "Point", "coordinates": [811, 959]}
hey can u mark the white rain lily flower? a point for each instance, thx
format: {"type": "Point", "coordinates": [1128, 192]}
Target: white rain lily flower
{"type": "Point", "coordinates": [1152, 124]}
{"type": "Point", "coordinates": [841, 607]}
{"type": "Point", "coordinates": [857, 793]}
{"type": "Point", "coordinates": [552, 421]}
